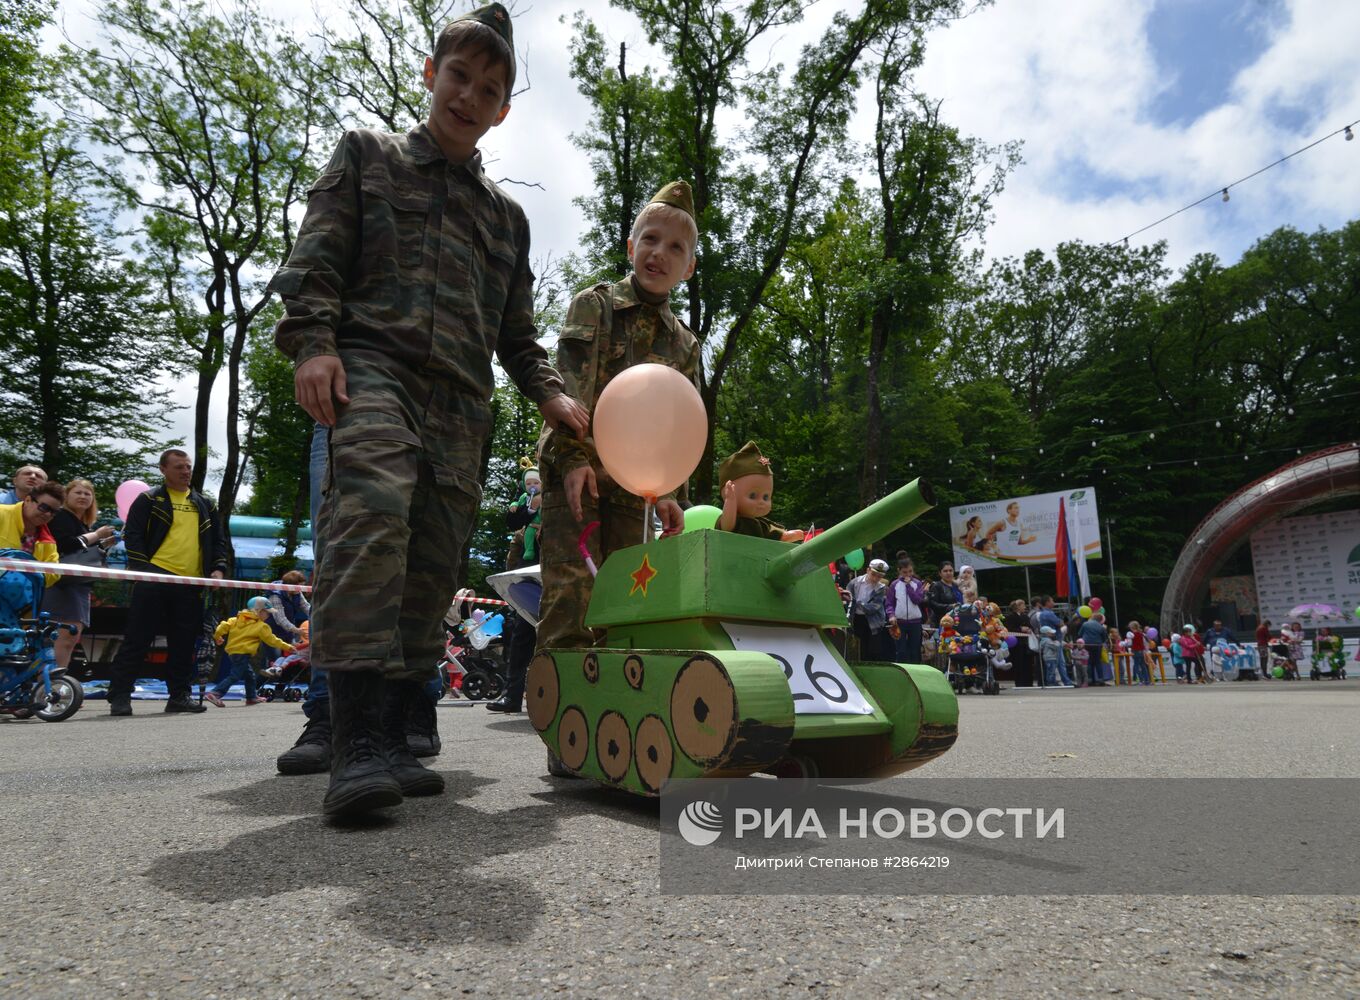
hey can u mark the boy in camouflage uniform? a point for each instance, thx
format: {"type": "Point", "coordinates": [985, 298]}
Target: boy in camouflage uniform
{"type": "Point", "coordinates": [610, 328]}
{"type": "Point", "coordinates": [410, 267]}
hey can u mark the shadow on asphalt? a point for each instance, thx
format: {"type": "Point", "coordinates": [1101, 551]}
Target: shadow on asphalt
{"type": "Point", "coordinates": [513, 724]}
{"type": "Point", "coordinates": [405, 868]}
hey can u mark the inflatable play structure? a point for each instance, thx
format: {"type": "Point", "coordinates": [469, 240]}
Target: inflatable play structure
{"type": "Point", "coordinates": [1323, 475]}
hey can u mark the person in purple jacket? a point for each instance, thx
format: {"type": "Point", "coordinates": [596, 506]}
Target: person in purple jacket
{"type": "Point", "coordinates": [905, 604]}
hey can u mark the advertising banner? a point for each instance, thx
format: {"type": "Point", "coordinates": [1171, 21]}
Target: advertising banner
{"type": "Point", "coordinates": [1309, 561]}
{"type": "Point", "coordinates": [1022, 531]}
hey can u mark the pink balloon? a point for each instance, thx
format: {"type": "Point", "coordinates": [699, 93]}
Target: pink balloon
{"type": "Point", "coordinates": [650, 428]}
{"type": "Point", "coordinates": [126, 493]}
{"type": "Point", "coordinates": [1096, 603]}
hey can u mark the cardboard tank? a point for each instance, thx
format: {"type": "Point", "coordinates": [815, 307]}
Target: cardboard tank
{"type": "Point", "coordinates": [716, 662]}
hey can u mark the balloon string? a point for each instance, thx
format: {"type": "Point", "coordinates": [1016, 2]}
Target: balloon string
{"type": "Point", "coordinates": [584, 550]}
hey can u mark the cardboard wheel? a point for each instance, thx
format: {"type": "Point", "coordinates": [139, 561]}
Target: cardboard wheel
{"type": "Point", "coordinates": [613, 745]}
{"type": "Point", "coordinates": [541, 685]}
{"type": "Point", "coordinates": [632, 669]}
{"type": "Point", "coordinates": [655, 755]}
{"type": "Point", "coordinates": [704, 710]}
{"type": "Point", "coordinates": [573, 738]}
{"type": "Point", "coordinates": [590, 666]}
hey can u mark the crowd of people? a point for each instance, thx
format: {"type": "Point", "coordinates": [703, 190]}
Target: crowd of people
{"type": "Point", "coordinates": [57, 523]}
{"type": "Point", "coordinates": [898, 618]}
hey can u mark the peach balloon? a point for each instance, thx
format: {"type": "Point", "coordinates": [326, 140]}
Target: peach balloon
{"type": "Point", "coordinates": [649, 429]}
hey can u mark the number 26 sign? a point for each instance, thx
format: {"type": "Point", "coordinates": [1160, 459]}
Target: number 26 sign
{"type": "Point", "coordinates": [817, 680]}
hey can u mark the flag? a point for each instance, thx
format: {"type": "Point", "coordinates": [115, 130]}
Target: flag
{"type": "Point", "coordinates": [1062, 555]}
{"type": "Point", "coordinates": [1082, 580]}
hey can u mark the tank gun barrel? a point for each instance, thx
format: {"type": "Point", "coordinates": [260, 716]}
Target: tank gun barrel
{"type": "Point", "coordinates": [856, 531]}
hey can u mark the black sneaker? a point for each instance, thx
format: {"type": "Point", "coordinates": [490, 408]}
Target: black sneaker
{"type": "Point", "coordinates": [311, 754]}
{"type": "Point", "coordinates": [120, 706]}
{"type": "Point", "coordinates": [183, 705]}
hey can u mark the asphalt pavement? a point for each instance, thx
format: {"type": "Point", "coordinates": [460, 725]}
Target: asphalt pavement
{"type": "Point", "coordinates": [161, 856]}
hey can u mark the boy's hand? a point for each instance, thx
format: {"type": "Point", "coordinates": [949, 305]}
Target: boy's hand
{"type": "Point", "coordinates": [575, 482]}
{"type": "Point", "coordinates": [218, 641]}
{"type": "Point", "coordinates": [672, 517]}
{"type": "Point", "coordinates": [318, 384]}
{"type": "Point", "coordinates": [561, 412]}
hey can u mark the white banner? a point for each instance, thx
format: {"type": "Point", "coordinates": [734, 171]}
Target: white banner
{"type": "Point", "coordinates": [1022, 531]}
{"type": "Point", "coordinates": [816, 678]}
{"type": "Point", "coordinates": [1308, 560]}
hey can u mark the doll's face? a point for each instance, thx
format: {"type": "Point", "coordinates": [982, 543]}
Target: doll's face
{"type": "Point", "coordinates": [753, 495]}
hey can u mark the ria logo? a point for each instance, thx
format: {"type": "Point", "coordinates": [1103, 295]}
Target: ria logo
{"type": "Point", "coordinates": [700, 823]}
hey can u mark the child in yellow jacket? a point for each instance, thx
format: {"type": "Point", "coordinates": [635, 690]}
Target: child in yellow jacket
{"type": "Point", "coordinates": [243, 635]}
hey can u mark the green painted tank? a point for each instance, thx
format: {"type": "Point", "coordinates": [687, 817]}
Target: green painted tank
{"type": "Point", "coordinates": [716, 662]}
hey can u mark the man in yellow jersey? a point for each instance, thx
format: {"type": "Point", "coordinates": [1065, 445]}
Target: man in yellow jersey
{"type": "Point", "coordinates": [173, 530]}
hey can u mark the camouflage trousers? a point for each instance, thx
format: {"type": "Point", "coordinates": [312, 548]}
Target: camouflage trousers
{"type": "Point", "coordinates": [399, 502]}
{"type": "Point", "coordinates": [567, 583]}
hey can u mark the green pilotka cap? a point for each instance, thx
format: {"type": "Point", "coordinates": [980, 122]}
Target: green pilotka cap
{"type": "Point", "coordinates": [495, 17]}
{"type": "Point", "coordinates": [676, 194]}
{"type": "Point", "coordinates": [748, 461]}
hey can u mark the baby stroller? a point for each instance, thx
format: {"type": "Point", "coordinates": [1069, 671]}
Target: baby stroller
{"type": "Point", "coordinates": [1280, 660]}
{"type": "Point", "coordinates": [1329, 659]}
{"type": "Point", "coordinates": [971, 666]}
{"type": "Point", "coordinates": [467, 671]}
{"type": "Point", "coordinates": [31, 683]}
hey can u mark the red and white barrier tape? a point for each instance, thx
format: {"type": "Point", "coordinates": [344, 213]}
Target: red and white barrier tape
{"type": "Point", "coordinates": [141, 576]}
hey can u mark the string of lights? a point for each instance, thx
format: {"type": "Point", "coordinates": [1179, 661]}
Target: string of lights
{"type": "Point", "coordinates": [1090, 465]}
{"type": "Point", "coordinates": [1218, 420]}
{"type": "Point", "coordinates": [1345, 130]}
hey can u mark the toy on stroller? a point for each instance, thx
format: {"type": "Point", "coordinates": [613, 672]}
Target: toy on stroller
{"type": "Point", "coordinates": [31, 683]}
{"type": "Point", "coordinates": [971, 653]}
{"type": "Point", "coordinates": [1329, 657]}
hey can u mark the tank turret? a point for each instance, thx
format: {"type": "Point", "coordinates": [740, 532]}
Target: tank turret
{"type": "Point", "coordinates": [716, 662]}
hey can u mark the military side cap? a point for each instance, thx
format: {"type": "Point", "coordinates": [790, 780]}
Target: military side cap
{"type": "Point", "coordinates": [495, 17]}
{"type": "Point", "coordinates": [746, 462]}
{"type": "Point", "coordinates": [676, 194]}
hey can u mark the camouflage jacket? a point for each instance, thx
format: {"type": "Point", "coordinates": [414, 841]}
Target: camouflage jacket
{"type": "Point", "coordinates": [419, 261]}
{"type": "Point", "coordinates": [608, 329]}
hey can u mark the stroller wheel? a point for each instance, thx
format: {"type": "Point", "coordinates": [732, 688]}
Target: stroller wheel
{"type": "Point", "coordinates": [269, 694]}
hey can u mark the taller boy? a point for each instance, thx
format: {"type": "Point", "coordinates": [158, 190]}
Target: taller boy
{"type": "Point", "coordinates": [610, 328]}
{"type": "Point", "coordinates": [410, 267]}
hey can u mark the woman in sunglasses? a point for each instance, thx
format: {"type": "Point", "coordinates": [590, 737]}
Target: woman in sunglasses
{"type": "Point", "coordinates": [79, 542]}
{"type": "Point", "coordinates": [23, 525]}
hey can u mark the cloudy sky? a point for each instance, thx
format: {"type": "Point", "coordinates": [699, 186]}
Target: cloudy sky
{"type": "Point", "coordinates": [1128, 110]}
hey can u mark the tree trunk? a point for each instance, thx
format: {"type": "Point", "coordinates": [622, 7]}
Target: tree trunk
{"type": "Point", "coordinates": [873, 430]}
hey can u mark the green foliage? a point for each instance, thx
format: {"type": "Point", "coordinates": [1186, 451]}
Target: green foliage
{"type": "Point", "coordinates": [74, 398]}
{"type": "Point", "coordinates": [210, 115]}
{"type": "Point", "coordinates": [278, 434]}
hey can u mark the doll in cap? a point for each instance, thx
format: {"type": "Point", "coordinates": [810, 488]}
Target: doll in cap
{"type": "Point", "coordinates": [748, 484]}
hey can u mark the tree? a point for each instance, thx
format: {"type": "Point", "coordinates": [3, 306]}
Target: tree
{"type": "Point", "coordinates": [278, 438]}
{"type": "Point", "coordinates": [754, 190]}
{"type": "Point", "coordinates": [211, 118]}
{"type": "Point", "coordinates": [935, 198]}
{"type": "Point", "coordinates": [70, 306]}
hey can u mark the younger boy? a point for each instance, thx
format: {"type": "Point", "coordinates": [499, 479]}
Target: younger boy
{"type": "Point", "coordinates": [608, 329]}
{"type": "Point", "coordinates": [410, 268]}
{"type": "Point", "coordinates": [243, 635]}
